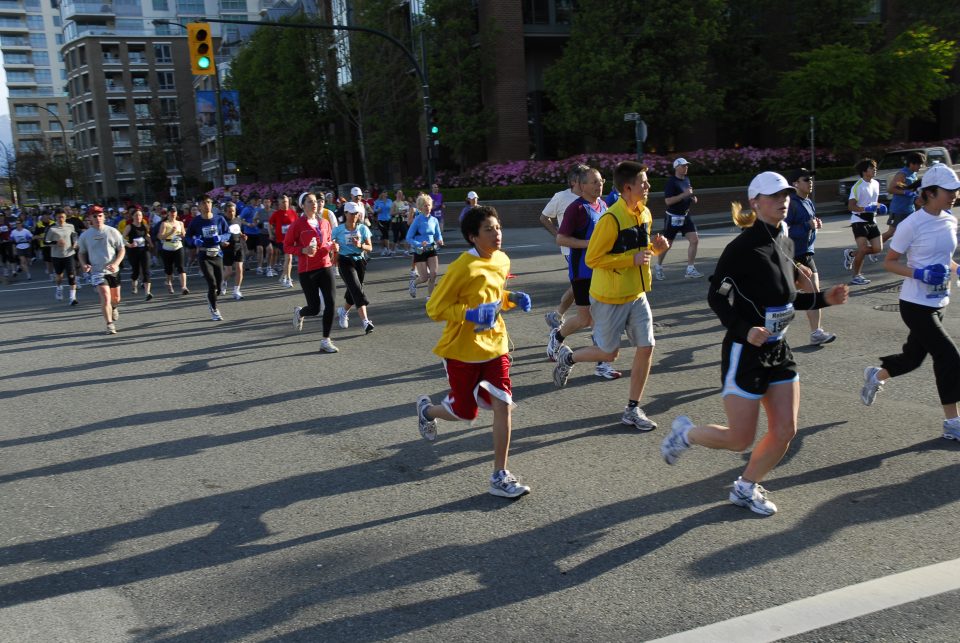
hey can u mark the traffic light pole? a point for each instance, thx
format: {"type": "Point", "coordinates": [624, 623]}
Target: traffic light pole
{"type": "Point", "coordinates": [221, 143]}
{"type": "Point", "coordinates": [424, 85]}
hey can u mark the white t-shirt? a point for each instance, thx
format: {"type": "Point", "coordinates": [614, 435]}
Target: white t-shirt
{"type": "Point", "coordinates": [926, 239]}
{"type": "Point", "coordinates": [22, 238]}
{"type": "Point", "coordinates": [555, 209]}
{"type": "Point", "coordinates": [864, 193]}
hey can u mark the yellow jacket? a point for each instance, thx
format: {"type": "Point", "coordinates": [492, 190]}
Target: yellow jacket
{"type": "Point", "coordinates": [470, 281]}
{"type": "Point", "coordinates": [618, 236]}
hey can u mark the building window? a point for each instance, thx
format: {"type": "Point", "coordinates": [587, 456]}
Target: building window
{"type": "Point", "coordinates": [25, 110]}
{"type": "Point", "coordinates": [144, 136]}
{"type": "Point", "coordinates": [59, 38]}
{"type": "Point", "coordinates": [19, 77]}
{"type": "Point", "coordinates": [160, 5]}
{"type": "Point", "coordinates": [35, 23]}
{"type": "Point", "coordinates": [54, 107]}
{"type": "Point", "coordinates": [123, 163]}
{"type": "Point", "coordinates": [141, 110]}
{"type": "Point", "coordinates": [161, 54]}
{"type": "Point", "coordinates": [44, 76]}
{"type": "Point", "coordinates": [32, 4]}
{"type": "Point", "coordinates": [120, 137]}
{"type": "Point", "coordinates": [165, 80]}
{"type": "Point", "coordinates": [191, 7]}
{"type": "Point", "coordinates": [38, 41]}
{"type": "Point", "coordinates": [168, 107]}
{"type": "Point", "coordinates": [55, 126]}
{"type": "Point", "coordinates": [233, 5]}
{"type": "Point", "coordinates": [173, 133]}
{"type": "Point", "coordinates": [29, 127]}
{"type": "Point", "coordinates": [29, 145]}
{"type": "Point", "coordinates": [16, 59]}
{"type": "Point", "coordinates": [57, 22]}
{"type": "Point", "coordinates": [41, 58]}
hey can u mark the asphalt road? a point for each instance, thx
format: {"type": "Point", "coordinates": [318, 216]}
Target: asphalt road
{"type": "Point", "coordinates": [187, 480]}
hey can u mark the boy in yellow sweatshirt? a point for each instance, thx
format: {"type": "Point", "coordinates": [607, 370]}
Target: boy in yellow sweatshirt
{"type": "Point", "coordinates": [474, 343]}
{"type": "Point", "coordinates": [619, 252]}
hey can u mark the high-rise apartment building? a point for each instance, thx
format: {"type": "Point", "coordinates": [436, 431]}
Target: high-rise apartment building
{"type": "Point", "coordinates": [31, 34]}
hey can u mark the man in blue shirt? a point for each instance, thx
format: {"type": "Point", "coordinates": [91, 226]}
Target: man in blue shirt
{"type": "Point", "coordinates": [678, 195]}
{"type": "Point", "coordinates": [902, 189]}
{"type": "Point", "coordinates": [381, 208]}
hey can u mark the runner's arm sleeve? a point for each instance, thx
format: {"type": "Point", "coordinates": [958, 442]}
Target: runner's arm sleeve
{"type": "Point", "coordinates": [810, 301]}
{"type": "Point", "coordinates": [723, 292]}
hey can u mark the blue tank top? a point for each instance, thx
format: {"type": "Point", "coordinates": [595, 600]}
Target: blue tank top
{"type": "Point", "coordinates": [900, 204]}
{"type": "Point", "coordinates": [578, 256]}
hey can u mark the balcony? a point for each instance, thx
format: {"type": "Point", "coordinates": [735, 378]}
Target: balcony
{"type": "Point", "coordinates": [13, 25]}
{"type": "Point", "coordinates": [8, 7]}
{"type": "Point", "coordinates": [137, 58]}
{"type": "Point", "coordinates": [121, 142]}
{"type": "Point", "coordinates": [19, 61]}
{"type": "Point", "coordinates": [86, 10]}
{"type": "Point", "coordinates": [114, 88]}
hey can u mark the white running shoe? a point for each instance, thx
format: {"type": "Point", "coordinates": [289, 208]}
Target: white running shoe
{"type": "Point", "coordinates": [342, 319]}
{"type": "Point", "coordinates": [859, 280]}
{"type": "Point", "coordinates": [505, 485]}
{"type": "Point", "coordinates": [427, 426]}
{"type": "Point", "coordinates": [606, 371]}
{"type": "Point", "coordinates": [412, 288]}
{"type": "Point", "coordinates": [111, 329]}
{"type": "Point", "coordinates": [820, 337]}
{"type": "Point", "coordinates": [871, 385]}
{"type": "Point", "coordinates": [753, 496]}
{"type": "Point", "coordinates": [553, 319]}
{"type": "Point", "coordinates": [848, 254]}
{"type": "Point", "coordinates": [635, 417]}
{"type": "Point", "coordinates": [658, 273]}
{"type": "Point", "coordinates": [237, 295]}
{"type": "Point", "coordinates": [271, 273]}
{"type": "Point", "coordinates": [367, 326]}
{"type": "Point", "coordinates": [215, 314]}
{"type": "Point", "coordinates": [58, 294]}
{"type": "Point", "coordinates": [676, 441]}
{"type": "Point", "coordinates": [553, 345]}
{"type": "Point", "coordinates": [297, 319]}
{"type": "Point", "coordinates": [692, 273]}
{"type": "Point", "coordinates": [288, 283]}
{"type": "Point", "coordinates": [326, 346]}
{"type": "Point", "coordinates": [951, 429]}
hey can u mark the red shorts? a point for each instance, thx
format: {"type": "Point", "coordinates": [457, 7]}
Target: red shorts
{"type": "Point", "coordinates": [471, 385]}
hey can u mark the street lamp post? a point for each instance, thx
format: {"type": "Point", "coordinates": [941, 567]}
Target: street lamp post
{"type": "Point", "coordinates": [421, 74]}
{"type": "Point", "coordinates": [66, 146]}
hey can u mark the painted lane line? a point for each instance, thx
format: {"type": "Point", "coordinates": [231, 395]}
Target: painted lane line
{"type": "Point", "coordinates": [829, 608]}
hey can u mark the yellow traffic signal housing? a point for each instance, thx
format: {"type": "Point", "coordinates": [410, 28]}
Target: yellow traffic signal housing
{"type": "Point", "coordinates": [200, 42]}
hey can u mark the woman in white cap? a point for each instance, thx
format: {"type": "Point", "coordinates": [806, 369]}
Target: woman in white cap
{"type": "Point", "coordinates": [753, 292]}
{"type": "Point", "coordinates": [473, 200]}
{"type": "Point", "coordinates": [928, 238]}
{"type": "Point", "coordinates": [353, 241]}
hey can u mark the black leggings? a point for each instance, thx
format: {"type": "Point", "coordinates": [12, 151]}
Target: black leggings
{"type": "Point", "coordinates": [172, 259]}
{"type": "Point", "coordinates": [65, 265]}
{"type": "Point", "coordinates": [139, 264]}
{"type": "Point", "coordinates": [352, 273]}
{"type": "Point", "coordinates": [212, 270]}
{"type": "Point", "coordinates": [314, 284]}
{"type": "Point", "coordinates": [927, 336]}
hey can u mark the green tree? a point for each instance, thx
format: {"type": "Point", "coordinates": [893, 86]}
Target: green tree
{"type": "Point", "coordinates": [858, 96]}
{"type": "Point", "coordinates": [279, 74]}
{"type": "Point", "coordinates": [457, 64]}
{"type": "Point", "coordinates": [646, 56]}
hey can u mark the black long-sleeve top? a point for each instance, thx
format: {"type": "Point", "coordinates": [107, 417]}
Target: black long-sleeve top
{"type": "Point", "coordinates": [759, 267]}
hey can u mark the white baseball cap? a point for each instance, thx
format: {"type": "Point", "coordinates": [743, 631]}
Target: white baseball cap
{"type": "Point", "coordinates": [472, 195]}
{"type": "Point", "coordinates": [941, 176]}
{"type": "Point", "coordinates": [768, 183]}
{"type": "Point", "coordinates": [680, 161]}
{"type": "Point", "coordinates": [351, 207]}
{"type": "Point", "coordinates": [355, 191]}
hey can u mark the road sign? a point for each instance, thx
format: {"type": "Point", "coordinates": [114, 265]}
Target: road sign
{"type": "Point", "coordinates": [632, 116]}
{"type": "Point", "coordinates": [173, 192]}
{"type": "Point", "coordinates": [229, 179]}
{"type": "Point", "coordinates": [68, 183]}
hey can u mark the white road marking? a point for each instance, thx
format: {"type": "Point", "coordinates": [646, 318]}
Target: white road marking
{"type": "Point", "coordinates": [832, 607]}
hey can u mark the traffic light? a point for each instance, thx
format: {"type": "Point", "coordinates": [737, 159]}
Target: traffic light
{"type": "Point", "coordinates": [200, 42]}
{"type": "Point", "coordinates": [434, 126]}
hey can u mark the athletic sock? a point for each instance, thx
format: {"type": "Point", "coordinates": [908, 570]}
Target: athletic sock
{"type": "Point", "coordinates": [633, 404]}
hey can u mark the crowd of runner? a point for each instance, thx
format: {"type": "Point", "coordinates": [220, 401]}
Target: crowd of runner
{"type": "Point", "coordinates": [613, 256]}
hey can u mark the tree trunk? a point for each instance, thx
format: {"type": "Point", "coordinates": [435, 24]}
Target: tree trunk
{"type": "Point", "coordinates": [361, 140]}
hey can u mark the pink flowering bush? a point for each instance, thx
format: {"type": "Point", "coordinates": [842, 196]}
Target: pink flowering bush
{"type": "Point", "coordinates": [293, 188]}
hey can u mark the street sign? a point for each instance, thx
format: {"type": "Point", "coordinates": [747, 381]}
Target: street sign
{"type": "Point", "coordinates": [173, 192]}
{"type": "Point", "coordinates": [229, 179]}
{"type": "Point", "coordinates": [632, 116]}
{"type": "Point", "coordinates": [68, 183]}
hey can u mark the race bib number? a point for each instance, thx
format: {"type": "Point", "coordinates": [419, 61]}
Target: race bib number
{"type": "Point", "coordinates": [234, 228]}
{"type": "Point", "coordinates": [283, 229]}
{"type": "Point", "coordinates": [676, 220]}
{"type": "Point", "coordinates": [777, 320]}
{"type": "Point", "coordinates": [96, 278]}
{"type": "Point", "coordinates": [213, 252]}
{"type": "Point", "coordinates": [139, 242]}
{"type": "Point", "coordinates": [940, 291]}
{"type": "Point", "coordinates": [209, 232]}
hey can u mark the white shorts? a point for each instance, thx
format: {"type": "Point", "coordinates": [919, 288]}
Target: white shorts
{"type": "Point", "coordinates": [611, 320]}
